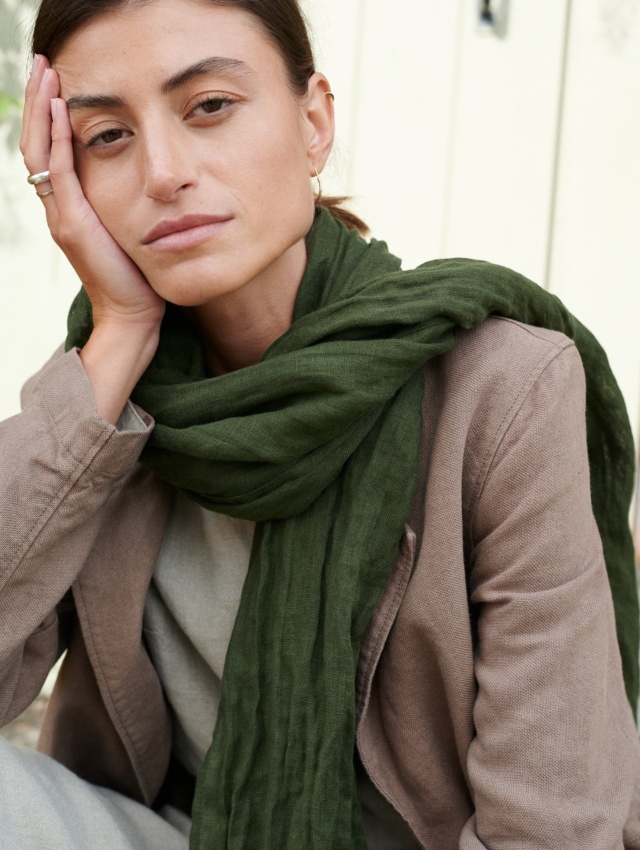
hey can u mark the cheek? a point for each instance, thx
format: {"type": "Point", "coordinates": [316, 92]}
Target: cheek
{"type": "Point", "coordinates": [281, 179]}
{"type": "Point", "coordinates": [108, 197]}
{"type": "Point", "coordinates": [277, 154]}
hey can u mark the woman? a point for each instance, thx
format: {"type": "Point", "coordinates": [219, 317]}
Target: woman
{"type": "Point", "coordinates": [426, 598]}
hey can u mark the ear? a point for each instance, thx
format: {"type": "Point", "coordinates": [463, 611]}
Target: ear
{"type": "Point", "coordinates": [318, 113]}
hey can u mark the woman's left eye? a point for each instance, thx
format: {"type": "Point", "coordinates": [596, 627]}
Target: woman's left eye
{"type": "Point", "coordinates": [211, 105]}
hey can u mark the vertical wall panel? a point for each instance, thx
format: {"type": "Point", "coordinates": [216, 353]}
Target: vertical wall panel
{"type": "Point", "coordinates": [596, 244]}
{"type": "Point", "coordinates": [402, 135]}
{"type": "Point", "coordinates": [505, 136]}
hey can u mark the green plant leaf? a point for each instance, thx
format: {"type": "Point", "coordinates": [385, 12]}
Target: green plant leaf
{"type": "Point", "coordinates": [8, 104]}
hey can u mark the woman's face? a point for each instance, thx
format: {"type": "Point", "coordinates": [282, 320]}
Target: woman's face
{"type": "Point", "coordinates": [191, 146]}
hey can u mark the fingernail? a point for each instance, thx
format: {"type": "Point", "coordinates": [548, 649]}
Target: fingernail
{"type": "Point", "coordinates": [54, 107]}
{"type": "Point", "coordinates": [45, 77]}
{"type": "Point", "coordinates": [37, 59]}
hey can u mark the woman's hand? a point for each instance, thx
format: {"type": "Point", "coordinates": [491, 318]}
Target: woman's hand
{"type": "Point", "coordinates": [126, 310]}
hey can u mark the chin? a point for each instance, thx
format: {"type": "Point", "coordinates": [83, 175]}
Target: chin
{"type": "Point", "coordinates": [191, 288]}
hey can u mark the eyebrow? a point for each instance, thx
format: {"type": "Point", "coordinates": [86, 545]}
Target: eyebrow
{"type": "Point", "coordinates": [214, 64]}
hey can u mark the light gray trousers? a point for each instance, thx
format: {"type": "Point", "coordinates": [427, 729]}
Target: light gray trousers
{"type": "Point", "coordinates": [43, 806]}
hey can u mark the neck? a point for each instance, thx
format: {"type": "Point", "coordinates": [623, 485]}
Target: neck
{"type": "Point", "coordinates": [238, 327]}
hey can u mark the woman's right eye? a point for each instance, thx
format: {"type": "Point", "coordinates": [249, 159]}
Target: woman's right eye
{"type": "Point", "coordinates": [107, 137]}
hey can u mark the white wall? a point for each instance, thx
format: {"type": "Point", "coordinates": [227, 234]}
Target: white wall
{"type": "Point", "coordinates": [36, 285]}
{"type": "Point", "coordinates": [595, 260]}
{"type": "Point", "coordinates": [451, 133]}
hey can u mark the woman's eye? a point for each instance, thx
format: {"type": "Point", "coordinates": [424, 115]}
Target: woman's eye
{"type": "Point", "coordinates": [106, 138]}
{"type": "Point", "coordinates": [212, 105]}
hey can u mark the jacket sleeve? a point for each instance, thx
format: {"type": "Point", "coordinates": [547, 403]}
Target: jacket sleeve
{"type": "Point", "coordinates": [553, 759]}
{"type": "Point", "coordinates": [59, 464]}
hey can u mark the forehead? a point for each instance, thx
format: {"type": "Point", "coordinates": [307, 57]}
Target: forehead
{"type": "Point", "coordinates": [144, 44]}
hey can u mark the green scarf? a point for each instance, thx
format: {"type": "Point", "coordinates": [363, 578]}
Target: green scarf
{"type": "Point", "coordinates": [319, 443]}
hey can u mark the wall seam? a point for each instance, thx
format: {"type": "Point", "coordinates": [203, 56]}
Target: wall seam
{"type": "Point", "coordinates": [557, 156]}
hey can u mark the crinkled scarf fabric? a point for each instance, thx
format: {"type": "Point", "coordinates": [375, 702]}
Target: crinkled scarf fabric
{"type": "Point", "coordinates": [319, 444]}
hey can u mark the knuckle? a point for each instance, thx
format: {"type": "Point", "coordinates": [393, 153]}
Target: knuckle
{"type": "Point", "coordinates": [60, 134]}
{"type": "Point", "coordinates": [66, 239]}
{"type": "Point", "coordinates": [65, 235]}
{"type": "Point", "coordinates": [58, 171]}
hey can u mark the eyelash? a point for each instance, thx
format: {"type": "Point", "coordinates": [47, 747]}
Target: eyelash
{"type": "Point", "coordinates": [225, 103]}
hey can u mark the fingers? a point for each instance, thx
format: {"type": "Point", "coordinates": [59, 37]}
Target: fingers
{"type": "Point", "coordinates": [68, 193]}
{"type": "Point", "coordinates": [73, 222]}
{"type": "Point", "coordinates": [37, 70]}
{"type": "Point", "coordinates": [117, 288]}
{"type": "Point", "coordinates": [36, 135]}
{"type": "Point", "coordinates": [36, 106]}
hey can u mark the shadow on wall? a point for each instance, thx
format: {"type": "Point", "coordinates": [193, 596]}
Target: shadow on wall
{"type": "Point", "coordinates": [15, 21]}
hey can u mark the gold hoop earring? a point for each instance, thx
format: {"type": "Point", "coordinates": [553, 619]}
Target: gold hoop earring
{"type": "Point", "coordinates": [319, 195]}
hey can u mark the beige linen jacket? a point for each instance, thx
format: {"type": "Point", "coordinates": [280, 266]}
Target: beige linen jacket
{"type": "Point", "coordinates": [490, 703]}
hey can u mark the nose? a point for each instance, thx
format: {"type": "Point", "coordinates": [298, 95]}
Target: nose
{"type": "Point", "coordinates": [167, 166]}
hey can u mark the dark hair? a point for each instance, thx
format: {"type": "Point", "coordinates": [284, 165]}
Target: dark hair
{"type": "Point", "coordinates": [282, 20]}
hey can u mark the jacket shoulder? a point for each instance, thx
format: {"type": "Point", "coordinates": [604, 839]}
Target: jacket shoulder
{"type": "Point", "coordinates": [479, 385]}
{"type": "Point", "coordinates": [475, 391]}
{"type": "Point", "coordinates": [501, 346]}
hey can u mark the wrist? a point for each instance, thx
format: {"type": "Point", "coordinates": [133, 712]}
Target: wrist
{"type": "Point", "coordinates": [114, 358]}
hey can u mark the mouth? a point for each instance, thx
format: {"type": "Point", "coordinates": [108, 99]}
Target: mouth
{"type": "Point", "coordinates": [185, 232]}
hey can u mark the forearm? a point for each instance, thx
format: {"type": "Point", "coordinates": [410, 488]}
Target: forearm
{"type": "Point", "coordinates": [59, 464]}
{"type": "Point", "coordinates": [114, 358]}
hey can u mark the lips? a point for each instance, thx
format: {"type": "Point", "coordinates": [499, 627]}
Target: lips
{"type": "Point", "coordinates": [169, 227]}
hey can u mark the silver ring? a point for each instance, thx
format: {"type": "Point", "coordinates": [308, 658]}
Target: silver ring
{"type": "Point", "coordinates": [44, 194]}
{"type": "Point", "coordinates": [42, 177]}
